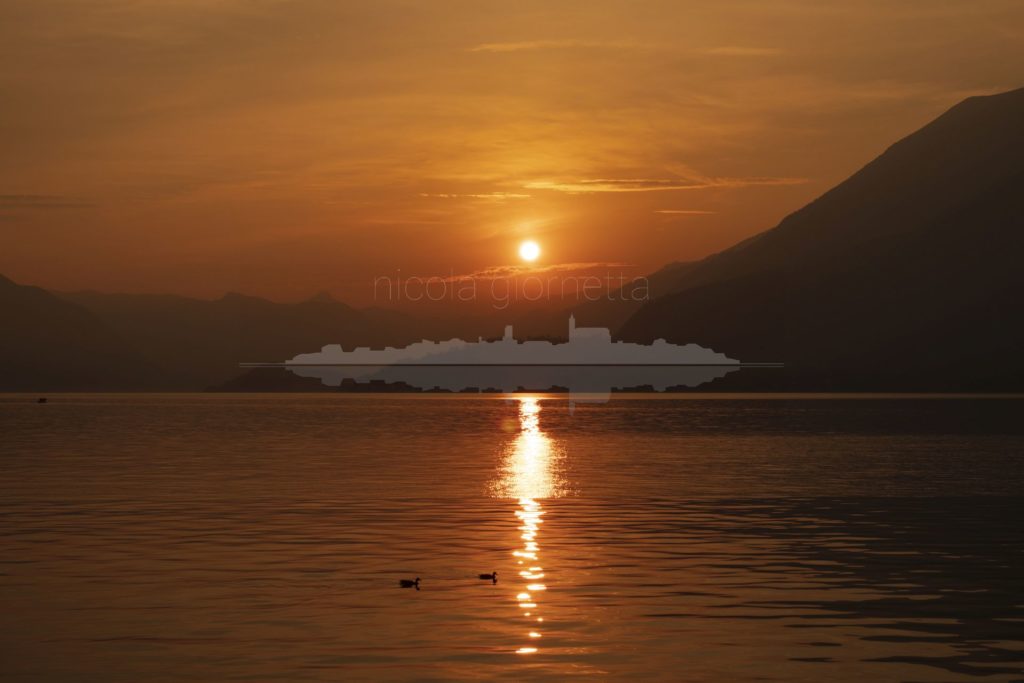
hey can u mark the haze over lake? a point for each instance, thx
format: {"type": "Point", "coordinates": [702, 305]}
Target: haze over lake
{"type": "Point", "coordinates": [262, 537]}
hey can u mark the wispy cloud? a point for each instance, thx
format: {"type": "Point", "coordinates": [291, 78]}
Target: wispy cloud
{"type": "Point", "coordinates": [742, 51]}
{"type": "Point", "coordinates": [586, 186]}
{"type": "Point", "coordinates": [685, 212]}
{"type": "Point", "coordinates": [511, 271]}
{"type": "Point", "coordinates": [568, 43]}
{"type": "Point", "coordinates": [479, 195]}
{"type": "Point", "coordinates": [40, 201]}
{"type": "Point", "coordinates": [525, 45]}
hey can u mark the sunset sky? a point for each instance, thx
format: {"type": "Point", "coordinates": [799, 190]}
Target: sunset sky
{"type": "Point", "coordinates": [281, 148]}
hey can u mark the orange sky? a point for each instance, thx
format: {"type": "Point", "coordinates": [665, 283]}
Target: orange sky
{"type": "Point", "coordinates": [281, 148]}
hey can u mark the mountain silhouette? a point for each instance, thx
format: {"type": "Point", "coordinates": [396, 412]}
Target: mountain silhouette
{"type": "Point", "coordinates": [199, 343]}
{"type": "Point", "coordinates": [905, 276]}
{"type": "Point", "coordinates": [51, 344]}
{"type": "Point", "coordinates": [102, 341]}
{"type": "Point", "coordinates": [614, 310]}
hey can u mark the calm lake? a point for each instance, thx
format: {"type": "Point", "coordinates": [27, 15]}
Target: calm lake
{"type": "Point", "coordinates": [693, 538]}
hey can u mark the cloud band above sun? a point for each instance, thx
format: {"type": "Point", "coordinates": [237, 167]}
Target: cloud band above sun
{"type": "Point", "coordinates": [655, 184]}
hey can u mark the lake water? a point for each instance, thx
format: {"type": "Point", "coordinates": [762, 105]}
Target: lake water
{"type": "Point", "coordinates": [701, 538]}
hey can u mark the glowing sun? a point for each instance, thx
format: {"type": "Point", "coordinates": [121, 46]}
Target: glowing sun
{"type": "Point", "coordinates": [529, 250]}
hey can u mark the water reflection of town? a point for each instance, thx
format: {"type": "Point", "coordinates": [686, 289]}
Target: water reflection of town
{"type": "Point", "coordinates": [583, 383]}
{"type": "Point", "coordinates": [529, 474]}
{"type": "Point", "coordinates": [589, 366]}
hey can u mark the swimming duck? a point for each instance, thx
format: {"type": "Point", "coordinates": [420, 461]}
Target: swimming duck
{"type": "Point", "coordinates": [407, 583]}
{"type": "Point", "coordinates": [492, 577]}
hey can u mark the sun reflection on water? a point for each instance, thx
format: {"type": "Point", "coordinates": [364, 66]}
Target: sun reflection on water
{"type": "Point", "coordinates": [529, 475]}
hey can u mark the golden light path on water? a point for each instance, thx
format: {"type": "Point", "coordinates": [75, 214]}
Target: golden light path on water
{"type": "Point", "coordinates": [529, 475]}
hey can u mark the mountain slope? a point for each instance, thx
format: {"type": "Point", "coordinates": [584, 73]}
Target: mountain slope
{"type": "Point", "coordinates": [613, 309]}
{"type": "Point", "coordinates": [50, 344]}
{"type": "Point", "coordinates": [200, 342]}
{"type": "Point", "coordinates": [905, 276]}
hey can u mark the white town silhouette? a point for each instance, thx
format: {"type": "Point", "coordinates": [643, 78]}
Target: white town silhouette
{"type": "Point", "coordinates": [589, 366]}
{"type": "Point", "coordinates": [586, 346]}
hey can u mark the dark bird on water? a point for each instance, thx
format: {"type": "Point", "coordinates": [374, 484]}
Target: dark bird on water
{"type": "Point", "coordinates": [492, 577]}
{"type": "Point", "coordinates": [408, 583]}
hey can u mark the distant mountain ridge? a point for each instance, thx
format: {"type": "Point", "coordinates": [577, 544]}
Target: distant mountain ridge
{"type": "Point", "coordinates": [48, 343]}
{"type": "Point", "coordinates": [907, 275]}
{"type": "Point", "coordinates": [199, 342]}
{"type": "Point", "coordinates": [89, 340]}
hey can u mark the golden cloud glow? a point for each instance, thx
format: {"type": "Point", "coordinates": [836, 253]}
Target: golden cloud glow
{"type": "Point", "coordinates": [286, 148]}
{"type": "Point", "coordinates": [655, 184]}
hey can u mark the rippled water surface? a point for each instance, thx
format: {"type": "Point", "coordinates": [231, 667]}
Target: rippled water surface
{"type": "Point", "coordinates": [213, 537]}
